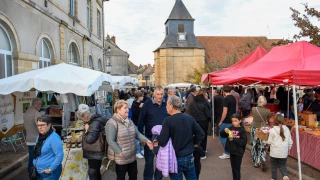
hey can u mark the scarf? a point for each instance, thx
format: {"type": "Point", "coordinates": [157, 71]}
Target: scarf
{"type": "Point", "coordinates": [38, 147]}
{"type": "Point", "coordinates": [124, 121]}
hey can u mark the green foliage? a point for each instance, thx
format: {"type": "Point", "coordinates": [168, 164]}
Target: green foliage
{"type": "Point", "coordinates": [307, 29]}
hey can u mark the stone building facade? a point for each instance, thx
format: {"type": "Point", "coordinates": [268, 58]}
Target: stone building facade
{"type": "Point", "coordinates": [39, 33]}
{"type": "Point", "coordinates": [180, 52]}
{"type": "Point", "coordinates": [116, 58]}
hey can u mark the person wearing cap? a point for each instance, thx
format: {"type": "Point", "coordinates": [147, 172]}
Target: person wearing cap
{"type": "Point", "coordinates": [315, 106]}
{"type": "Point", "coordinates": [94, 125]}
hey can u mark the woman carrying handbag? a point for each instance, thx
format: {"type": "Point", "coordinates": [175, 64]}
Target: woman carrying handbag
{"type": "Point", "coordinates": [93, 143]}
{"type": "Point", "coordinates": [258, 147]}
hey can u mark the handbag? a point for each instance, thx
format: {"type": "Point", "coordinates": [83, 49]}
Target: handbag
{"type": "Point", "coordinates": [97, 146]}
{"type": "Point", "coordinates": [34, 175]}
{"type": "Point", "coordinates": [109, 164]}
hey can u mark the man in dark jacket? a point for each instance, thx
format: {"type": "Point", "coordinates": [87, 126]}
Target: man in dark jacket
{"type": "Point", "coordinates": [217, 108]}
{"type": "Point", "coordinates": [152, 113]}
{"type": "Point", "coordinates": [193, 93]}
{"type": "Point", "coordinates": [184, 133]}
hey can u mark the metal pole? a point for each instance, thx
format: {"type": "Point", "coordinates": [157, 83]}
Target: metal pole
{"type": "Point", "coordinates": [212, 119]}
{"type": "Point", "coordinates": [288, 103]}
{"type": "Point", "coordinates": [297, 129]}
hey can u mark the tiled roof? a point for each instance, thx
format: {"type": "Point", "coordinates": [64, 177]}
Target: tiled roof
{"type": "Point", "coordinates": [221, 48]}
{"type": "Point", "coordinates": [132, 67]}
{"type": "Point", "coordinates": [179, 12]}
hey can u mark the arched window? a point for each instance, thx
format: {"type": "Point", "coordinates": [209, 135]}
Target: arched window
{"type": "Point", "coordinates": [6, 62]}
{"type": "Point", "coordinates": [90, 62]}
{"type": "Point", "coordinates": [44, 53]}
{"type": "Point", "coordinates": [99, 65]}
{"type": "Point", "coordinates": [73, 54]}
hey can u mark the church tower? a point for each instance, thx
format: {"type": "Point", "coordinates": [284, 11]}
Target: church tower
{"type": "Point", "coordinates": [180, 52]}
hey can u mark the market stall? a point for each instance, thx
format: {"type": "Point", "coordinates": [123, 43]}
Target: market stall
{"type": "Point", "coordinates": [243, 63]}
{"type": "Point", "coordinates": [68, 84]}
{"type": "Point", "coordinates": [294, 64]}
{"type": "Point", "coordinates": [310, 145]}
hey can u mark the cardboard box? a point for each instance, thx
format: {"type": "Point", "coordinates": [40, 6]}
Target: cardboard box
{"type": "Point", "coordinates": [310, 119]}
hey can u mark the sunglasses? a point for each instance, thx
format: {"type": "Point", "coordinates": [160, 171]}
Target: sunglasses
{"type": "Point", "coordinates": [280, 113]}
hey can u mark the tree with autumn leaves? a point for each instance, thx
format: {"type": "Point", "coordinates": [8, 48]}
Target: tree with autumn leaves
{"type": "Point", "coordinates": [307, 28]}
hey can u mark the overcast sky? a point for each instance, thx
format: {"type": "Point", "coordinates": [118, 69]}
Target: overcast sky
{"type": "Point", "coordinates": [138, 25]}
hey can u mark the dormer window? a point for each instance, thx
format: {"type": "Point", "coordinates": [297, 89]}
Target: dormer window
{"type": "Point", "coordinates": [180, 28]}
{"type": "Point", "coordinates": [181, 33]}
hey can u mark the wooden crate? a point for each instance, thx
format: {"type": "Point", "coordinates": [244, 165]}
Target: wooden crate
{"type": "Point", "coordinates": [310, 119]}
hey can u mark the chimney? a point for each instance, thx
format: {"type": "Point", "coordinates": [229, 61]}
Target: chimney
{"type": "Point", "coordinates": [108, 37]}
{"type": "Point", "coordinates": [113, 39]}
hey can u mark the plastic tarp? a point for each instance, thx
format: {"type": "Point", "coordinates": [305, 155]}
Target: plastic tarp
{"type": "Point", "coordinates": [248, 60]}
{"type": "Point", "coordinates": [180, 85]}
{"type": "Point", "coordinates": [62, 78]}
{"type": "Point", "coordinates": [122, 81]}
{"type": "Point", "coordinates": [297, 63]}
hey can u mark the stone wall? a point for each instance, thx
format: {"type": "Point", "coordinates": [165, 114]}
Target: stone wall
{"type": "Point", "coordinates": [173, 65]}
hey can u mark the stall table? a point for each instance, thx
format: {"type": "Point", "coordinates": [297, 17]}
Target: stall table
{"type": "Point", "coordinates": [74, 166]}
{"type": "Point", "coordinates": [309, 148]}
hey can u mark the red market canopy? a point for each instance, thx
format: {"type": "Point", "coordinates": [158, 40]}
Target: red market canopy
{"type": "Point", "coordinates": [248, 60]}
{"type": "Point", "coordinates": [297, 63]}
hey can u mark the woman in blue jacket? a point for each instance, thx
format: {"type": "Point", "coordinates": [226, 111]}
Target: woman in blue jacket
{"type": "Point", "coordinates": [48, 152]}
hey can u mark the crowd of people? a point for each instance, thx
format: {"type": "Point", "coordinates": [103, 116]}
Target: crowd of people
{"type": "Point", "coordinates": [171, 125]}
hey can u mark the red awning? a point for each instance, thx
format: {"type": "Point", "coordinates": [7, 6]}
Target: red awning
{"type": "Point", "coordinates": [248, 60]}
{"type": "Point", "coordinates": [297, 63]}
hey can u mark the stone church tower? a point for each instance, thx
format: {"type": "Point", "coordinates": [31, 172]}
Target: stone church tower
{"type": "Point", "coordinates": [180, 51]}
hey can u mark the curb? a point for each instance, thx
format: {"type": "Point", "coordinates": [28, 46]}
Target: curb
{"type": "Point", "coordinates": [290, 170]}
{"type": "Point", "coordinates": [13, 166]}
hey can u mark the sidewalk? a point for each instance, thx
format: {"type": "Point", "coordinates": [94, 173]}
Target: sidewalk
{"type": "Point", "coordinates": [10, 160]}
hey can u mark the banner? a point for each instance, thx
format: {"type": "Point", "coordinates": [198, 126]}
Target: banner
{"type": "Point", "coordinates": [6, 113]}
{"type": "Point", "coordinates": [22, 102]}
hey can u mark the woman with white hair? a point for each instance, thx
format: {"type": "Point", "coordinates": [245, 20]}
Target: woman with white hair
{"type": "Point", "coordinates": [94, 126]}
{"type": "Point", "coordinates": [121, 133]}
{"type": "Point", "coordinates": [258, 147]}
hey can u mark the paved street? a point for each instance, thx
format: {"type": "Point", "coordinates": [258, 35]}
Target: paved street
{"type": "Point", "coordinates": [212, 168]}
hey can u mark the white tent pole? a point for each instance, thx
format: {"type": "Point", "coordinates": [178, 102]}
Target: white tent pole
{"type": "Point", "coordinates": [288, 105]}
{"type": "Point", "coordinates": [297, 129]}
{"type": "Point", "coordinates": [212, 119]}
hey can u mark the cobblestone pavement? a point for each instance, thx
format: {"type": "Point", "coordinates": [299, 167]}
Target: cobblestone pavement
{"type": "Point", "coordinates": [214, 168]}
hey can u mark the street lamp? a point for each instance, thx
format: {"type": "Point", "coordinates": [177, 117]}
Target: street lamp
{"type": "Point", "coordinates": [108, 66]}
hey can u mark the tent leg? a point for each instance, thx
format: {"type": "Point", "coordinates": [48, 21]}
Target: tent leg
{"type": "Point", "coordinates": [288, 105]}
{"type": "Point", "coordinates": [212, 119]}
{"type": "Point", "coordinates": [297, 129]}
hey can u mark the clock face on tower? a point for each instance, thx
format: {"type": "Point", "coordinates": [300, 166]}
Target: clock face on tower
{"type": "Point", "coordinates": [182, 37]}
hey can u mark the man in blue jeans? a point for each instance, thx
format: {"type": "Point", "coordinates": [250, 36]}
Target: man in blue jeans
{"type": "Point", "coordinates": [152, 113]}
{"type": "Point", "coordinates": [184, 132]}
{"type": "Point", "coordinates": [30, 124]}
{"type": "Point", "coordinates": [229, 105]}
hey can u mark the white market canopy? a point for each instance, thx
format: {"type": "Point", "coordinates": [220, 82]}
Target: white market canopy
{"type": "Point", "coordinates": [62, 78]}
{"type": "Point", "coordinates": [180, 85]}
{"type": "Point", "coordinates": [123, 81]}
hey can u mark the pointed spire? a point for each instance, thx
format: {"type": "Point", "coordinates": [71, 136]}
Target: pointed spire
{"type": "Point", "coordinates": [179, 12]}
